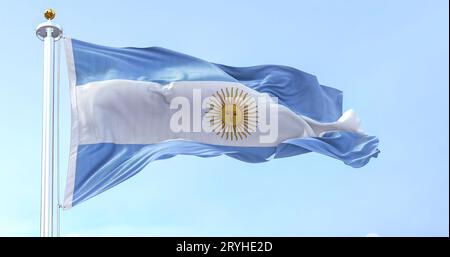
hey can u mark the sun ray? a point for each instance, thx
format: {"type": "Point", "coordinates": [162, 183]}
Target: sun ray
{"type": "Point", "coordinates": [223, 96]}
{"type": "Point", "coordinates": [222, 101]}
{"type": "Point", "coordinates": [215, 102]}
{"type": "Point", "coordinates": [244, 102]}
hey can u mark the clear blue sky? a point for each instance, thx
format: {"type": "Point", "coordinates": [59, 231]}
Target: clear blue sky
{"type": "Point", "coordinates": [390, 58]}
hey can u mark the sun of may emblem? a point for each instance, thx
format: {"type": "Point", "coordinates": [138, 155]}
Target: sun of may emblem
{"type": "Point", "coordinates": [232, 114]}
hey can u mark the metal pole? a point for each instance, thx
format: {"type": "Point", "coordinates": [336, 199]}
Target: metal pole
{"type": "Point", "coordinates": [49, 33]}
{"type": "Point", "coordinates": [57, 142]}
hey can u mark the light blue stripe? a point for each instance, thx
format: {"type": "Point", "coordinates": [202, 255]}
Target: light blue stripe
{"type": "Point", "coordinates": [102, 166]}
{"type": "Point", "coordinates": [152, 64]}
{"type": "Point", "coordinates": [297, 90]}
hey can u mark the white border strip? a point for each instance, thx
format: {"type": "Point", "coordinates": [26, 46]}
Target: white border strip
{"type": "Point", "coordinates": [74, 138]}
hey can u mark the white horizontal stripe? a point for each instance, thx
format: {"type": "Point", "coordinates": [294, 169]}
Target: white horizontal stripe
{"type": "Point", "coordinates": [135, 112]}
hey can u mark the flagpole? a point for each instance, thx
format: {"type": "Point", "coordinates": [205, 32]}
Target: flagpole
{"type": "Point", "coordinates": [49, 33]}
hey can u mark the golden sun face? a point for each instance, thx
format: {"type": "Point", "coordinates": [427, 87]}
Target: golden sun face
{"type": "Point", "coordinates": [233, 114]}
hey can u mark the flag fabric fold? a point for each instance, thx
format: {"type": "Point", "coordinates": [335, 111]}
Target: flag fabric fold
{"type": "Point", "coordinates": [132, 106]}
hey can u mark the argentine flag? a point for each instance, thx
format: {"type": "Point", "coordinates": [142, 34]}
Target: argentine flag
{"type": "Point", "coordinates": [131, 106]}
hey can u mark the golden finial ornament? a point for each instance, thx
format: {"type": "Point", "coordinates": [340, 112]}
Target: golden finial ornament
{"type": "Point", "coordinates": [49, 14]}
{"type": "Point", "coordinates": [47, 28]}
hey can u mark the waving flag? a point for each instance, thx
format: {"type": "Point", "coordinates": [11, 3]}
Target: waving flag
{"type": "Point", "coordinates": [132, 106]}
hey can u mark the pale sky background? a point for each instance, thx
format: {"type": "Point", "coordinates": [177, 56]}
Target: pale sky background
{"type": "Point", "coordinates": [390, 58]}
